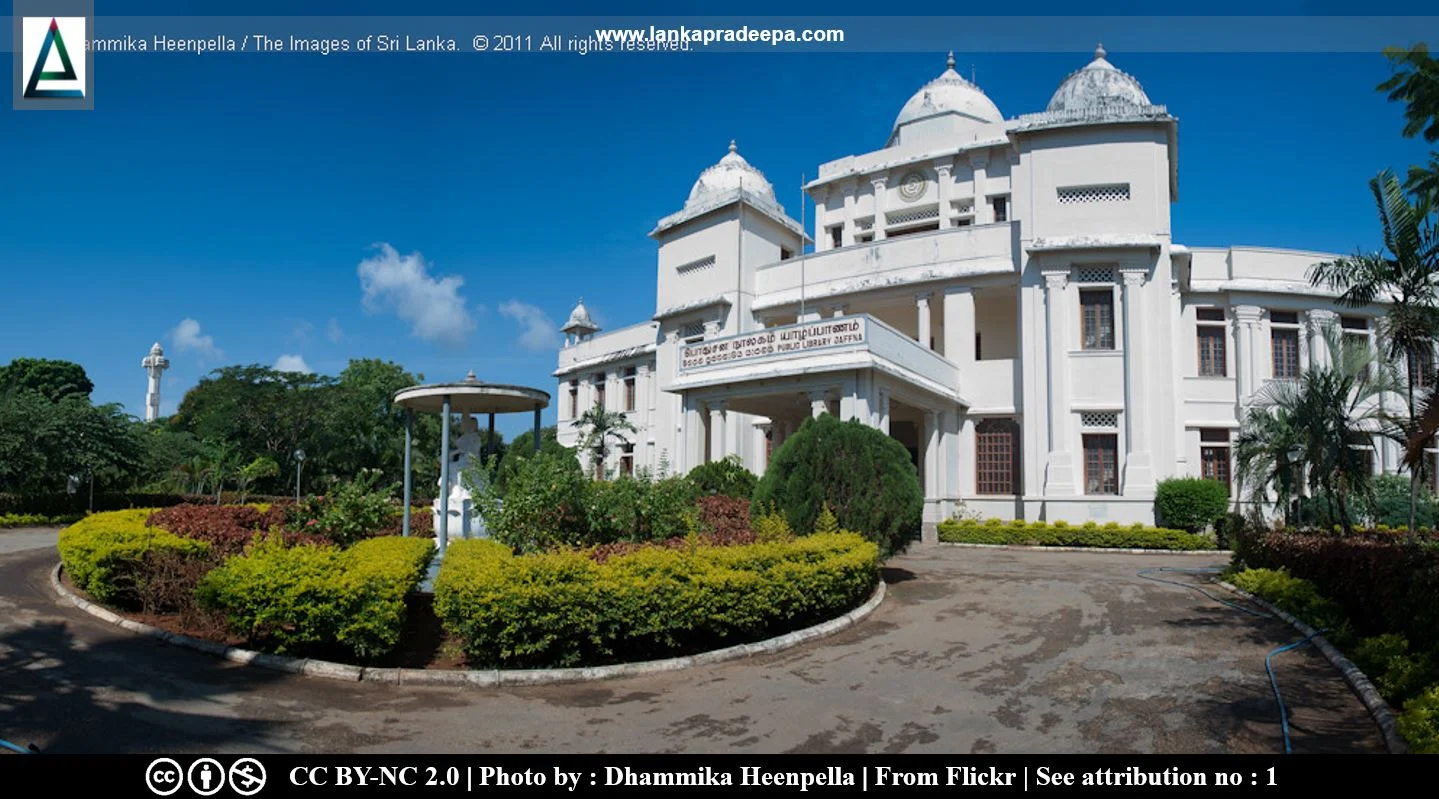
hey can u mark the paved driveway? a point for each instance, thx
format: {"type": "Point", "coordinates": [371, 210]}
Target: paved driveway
{"type": "Point", "coordinates": [974, 651]}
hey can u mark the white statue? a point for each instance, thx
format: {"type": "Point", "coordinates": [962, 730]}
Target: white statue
{"type": "Point", "coordinates": [464, 521]}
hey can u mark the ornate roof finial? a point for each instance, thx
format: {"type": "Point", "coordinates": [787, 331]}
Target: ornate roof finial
{"type": "Point", "coordinates": [1099, 51]}
{"type": "Point", "coordinates": [470, 378]}
{"type": "Point", "coordinates": [732, 146]}
{"type": "Point", "coordinates": [950, 62]}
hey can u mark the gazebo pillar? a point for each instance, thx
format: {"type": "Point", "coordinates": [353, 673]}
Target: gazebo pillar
{"type": "Point", "coordinates": [409, 445]}
{"type": "Point", "coordinates": [537, 429]}
{"type": "Point", "coordinates": [443, 533]}
{"type": "Point", "coordinates": [490, 442]}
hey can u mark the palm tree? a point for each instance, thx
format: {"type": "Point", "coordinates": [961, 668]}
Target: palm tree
{"type": "Point", "coordinates": [1320, 422]}
{"type": "Point", "coordinates": [1404, 277]}
{"type": "Point", "coordinates": [597, 426]}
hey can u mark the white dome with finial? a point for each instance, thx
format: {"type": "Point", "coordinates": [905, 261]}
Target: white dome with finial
{"type": "Point", "coordinates": [731, 173]}
{"type": "Point", "coordinates": [947, 94]}
{"type": "Point", "coordinates": [156, 349]}
{"type": "Point", "coordinates": [580, 321]}
{"type": "Point", "coordinates": [1098, 85]}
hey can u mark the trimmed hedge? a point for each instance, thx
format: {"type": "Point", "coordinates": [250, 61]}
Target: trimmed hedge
{"type": "Point", "coordinates": [61, 504]}
{"type": "Point", "coordinates": [301, 596]}
{"type": "Point", "coordinates": [1297, 597]}
{"type": "Point", "coordinates": [38, 519]}
{"type": "Point", "coordinates": [1061, 534]}
{"type": "Point", "coordinates": [104, 553]}
{"type": "Point", "coordinates": [1190, 503]}
{"type": "Point", "coordinates": [562, 608]}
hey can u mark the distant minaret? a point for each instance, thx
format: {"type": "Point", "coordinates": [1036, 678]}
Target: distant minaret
{"type": "Point", "coordinates": [155, 365]}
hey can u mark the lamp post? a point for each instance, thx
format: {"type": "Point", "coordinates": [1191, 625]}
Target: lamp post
{"type": "Point", "coordinates": [299, 465]}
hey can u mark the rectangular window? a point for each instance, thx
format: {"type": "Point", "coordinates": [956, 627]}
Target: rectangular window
{"type": "Point", "coordinates": [996, 453]}
{"type": "Point", "coordinates": [1097, 312]}
{"type": "Point", "coordinates": [1421, 367]}
{"type": "Point", "coordinates": [1212, 340]}
{"type": "Point", "coordinates": [785, 254]}
{"type": "Point", "coordinates": [1214, 455]}
{"type": "Point", "coordinates": [1101, 463]}
{"type": "Point", "coordinates": [627, 460]}
{"type": "Point", "coordinates": [630, 389]}
{"type": "Point", "coordinates": [1001, 208]}
{"type": "Point", "coordinates": [574, 399]}
{"type": "Point", "coordinates": [1284, 317]}
{"type": "Point", "coordinates": [1284, 345]}
{"type": "Point", "coordinates": [836, 236]}
{"type": "Point", "coordinates": [600, 391]}
{"type": "Point", "coordinates": [1353, 323]}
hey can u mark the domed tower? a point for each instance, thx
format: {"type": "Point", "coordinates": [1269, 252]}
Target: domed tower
{"type": "Point", "coordinates": [947, 109]}
{"type": "Point", "coordinates": [1099, 87]}
{"type": "Point", "coordinates": [730, 224]}
{"type": "Point", "coordinates": [579, 326]}
{"type": "Point", "coordinates": [155, 365]}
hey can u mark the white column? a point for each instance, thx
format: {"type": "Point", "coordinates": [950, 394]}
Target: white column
{"type": "Point", "coordinates": [982, 213]}
{"type": "Point", "coordinates": [642, 400]}
{"type": "Point", "coordinates": [884, 411]}
{"type": "Point", "coordinates": [838, 310]}
{"type": "Point", "coordinates": [921, 302]}
{"type": "Point", "coordinates": [1138, 464]}
{"type": "Point", "coordinates": [964, 482]}
{"type": "Point", "coordinates": [931, 469]}
{"type": "Point", "coordinates": [1059, 472]}
{"type": "Point", "coordinates": [943, 171]}
{"type": "Point", "coordinates": [879, 204]}
{"type": "Point", "coordinates": [1246, 323]}
{"type": "Point", "coordinates": [959, 326]}
{"type": "Point", "coordinates": [1319, 355]}
{"type": "Point", "coordinates": [691, 437]}
{"type": "Point", "coordinates": [847, 235]}
{"type": "Point", "coordinates": [760, 436]}
{"type": "Point", "coordinates": [849, 398]}
{"type": "Point", "coordinates": [818, 402]}
{"type": "Point", "coordinates": [821, 231]}
{"type": "Point", "coordinates": [717, 431]}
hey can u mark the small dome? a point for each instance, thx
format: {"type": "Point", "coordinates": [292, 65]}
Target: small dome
{"type": "Point", "coordinates": [156, 349]}
{"type": "Point", "coordinates": [948, 94]}
{"type": "Point", "coordinates": [1098, 85]}
{"type": "Point", "coordinates": [732, 172]}
{"type": "Point", "coordinates": [580, 321]}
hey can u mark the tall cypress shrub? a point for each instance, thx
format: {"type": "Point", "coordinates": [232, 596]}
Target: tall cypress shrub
{"type": "Point", "coordinates": [866, 477]}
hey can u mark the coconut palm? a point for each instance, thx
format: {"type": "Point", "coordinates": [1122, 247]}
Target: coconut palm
{"type": "Point", "coordinates": [1404, 278]}
{"type": "Point", "coordinates": [1322, 420]}
{"type": "Point", "coordinates": [597, 427]}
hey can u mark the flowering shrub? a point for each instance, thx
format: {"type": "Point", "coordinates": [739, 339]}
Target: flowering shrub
{"type": "Point", "coordinates": [354, 511]}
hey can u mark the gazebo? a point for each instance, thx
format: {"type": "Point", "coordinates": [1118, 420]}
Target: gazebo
{"type": "Point", "coordinates": [469, 396]}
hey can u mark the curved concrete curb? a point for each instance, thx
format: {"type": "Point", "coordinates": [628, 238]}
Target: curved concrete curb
{"type": "Point", "coordinates": [1379, 709]}
{"type": "Point", "coordinates": [479, 678]}
{"type": "Point", "coordinates": [1107, 550]}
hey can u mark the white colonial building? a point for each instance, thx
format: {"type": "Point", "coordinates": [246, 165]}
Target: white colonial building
{"type": "Point", "coordinates": [1004, 297]}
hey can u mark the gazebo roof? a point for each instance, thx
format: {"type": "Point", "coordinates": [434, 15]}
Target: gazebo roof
{"type": "Point", "coordinates": [472, 396]}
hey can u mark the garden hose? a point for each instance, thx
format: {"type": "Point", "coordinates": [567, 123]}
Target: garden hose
{"type": "Point", "coordinates": [4, 744]}
{"type": "Point", "coordinates": [1148, 574]}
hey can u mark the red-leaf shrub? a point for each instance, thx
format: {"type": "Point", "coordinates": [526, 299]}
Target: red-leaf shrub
{"type": "Point", "coordinates": [227, 528]}
{"type": "Point", "coordinates": [723, 515]}
{"type": "Point", "coordinates": [1382, 584]}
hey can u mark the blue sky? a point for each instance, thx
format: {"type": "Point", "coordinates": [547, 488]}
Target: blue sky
{"type": "Point", "coordinates": [243, 193]}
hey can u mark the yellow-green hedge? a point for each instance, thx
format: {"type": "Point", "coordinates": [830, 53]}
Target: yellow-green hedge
{"type": "Point", "coordinates": [104, 552]}
{"type": "Point", "coordinates": [563, 609]}
{"type": "Point", "coordinates": [1061, 534]}
{"type": "Point", "coordinates": [286, 597]}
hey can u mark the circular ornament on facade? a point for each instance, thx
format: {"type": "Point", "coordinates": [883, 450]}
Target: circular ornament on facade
{"type": "Point", "coordinates": [912, 187]}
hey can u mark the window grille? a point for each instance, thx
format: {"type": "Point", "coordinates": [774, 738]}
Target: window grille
{"type": "Point", "coordinates": [692, 330]}
{"type": "Point", "coordinates": [1093, 274]}
{"type": "Point", "coordinates": [964, 206]}
{"type": "Point", "coordinates": [916, 215]}
{"type": "Point", "coordinates": [695, 266]}
{"type": "Point", "coordinates": [1113, 193]}
{"type": "Point", "coordinates": [1100, 420]}
{"type": "Point", "coordinates": [865, 224]}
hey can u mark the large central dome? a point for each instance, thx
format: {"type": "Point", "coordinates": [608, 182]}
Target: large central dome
{"type": "Point", "coordinates": [947, 94]}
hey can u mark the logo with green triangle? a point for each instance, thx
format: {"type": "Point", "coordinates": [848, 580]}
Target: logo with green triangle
{"type": "Point", "coordinates": [38, 73]}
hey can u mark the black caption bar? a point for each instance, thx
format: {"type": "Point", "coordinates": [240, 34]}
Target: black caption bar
{"type": "Point", "coordinates": [185, 776]}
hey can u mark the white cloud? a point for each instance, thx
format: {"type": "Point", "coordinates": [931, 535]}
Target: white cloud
{"type": "Point", "coordinates": [186, 337]}
{"type": "Point", "coordinates": [402, 284]}
{"type": "Point", "coordinates": [537, 331]}
{"type": "Point", "coordinates": [334, 332]}
{"type": "Point", "coordinates": [292, 363]}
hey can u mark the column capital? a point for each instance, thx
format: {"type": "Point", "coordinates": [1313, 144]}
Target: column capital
{"type": "Point", "coordinates": [1248, 314]}
{"type": "Point", "coordinates": [921, 298]}
{"type": "Point", "coordinates": [642, 369]}
{"type": "Point", "coordinates": [943, 167]}
{"type": "Point", "coordinates": [1056, 280]}
{"type": "Point", "coordinates": [1133, 277]}
{"type": "Point", "coordinates": [959, 289]}
{"type": "Point", "coordinates": [879, 181]}
{"type": "Point", "coordinates": [1321, 315]}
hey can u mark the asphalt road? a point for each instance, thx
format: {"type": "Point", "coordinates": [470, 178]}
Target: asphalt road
{"type": "Point", "coordinates": [974, 651]}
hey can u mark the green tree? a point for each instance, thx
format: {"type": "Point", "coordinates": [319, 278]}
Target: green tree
{"type": "Point", "coordinates": [1403, 277]}
{"type": "Point", "coordinates": [866, 477]}
{"type": "Point", "coordinates": [1321, 420]}
{"type": "Point", "coordinates": [1415, 83]}
{"type": "Point", "coordinates": [55, 380]}
{"type": "Point", "coordinates": [726, 477]}
{"type": "Point", "coordinates": [521, 449]}
{"type": "Point", "coordinates": [597, 427]}
{"type": "Point", "coordinates": [261, 467]}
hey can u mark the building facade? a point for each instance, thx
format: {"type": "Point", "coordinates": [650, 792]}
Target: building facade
{"type": "Point", "coordinates": [1002, 296]}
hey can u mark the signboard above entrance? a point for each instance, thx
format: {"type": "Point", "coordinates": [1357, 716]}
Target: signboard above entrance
{"type": "Point", "coordinates": [777, 341]}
